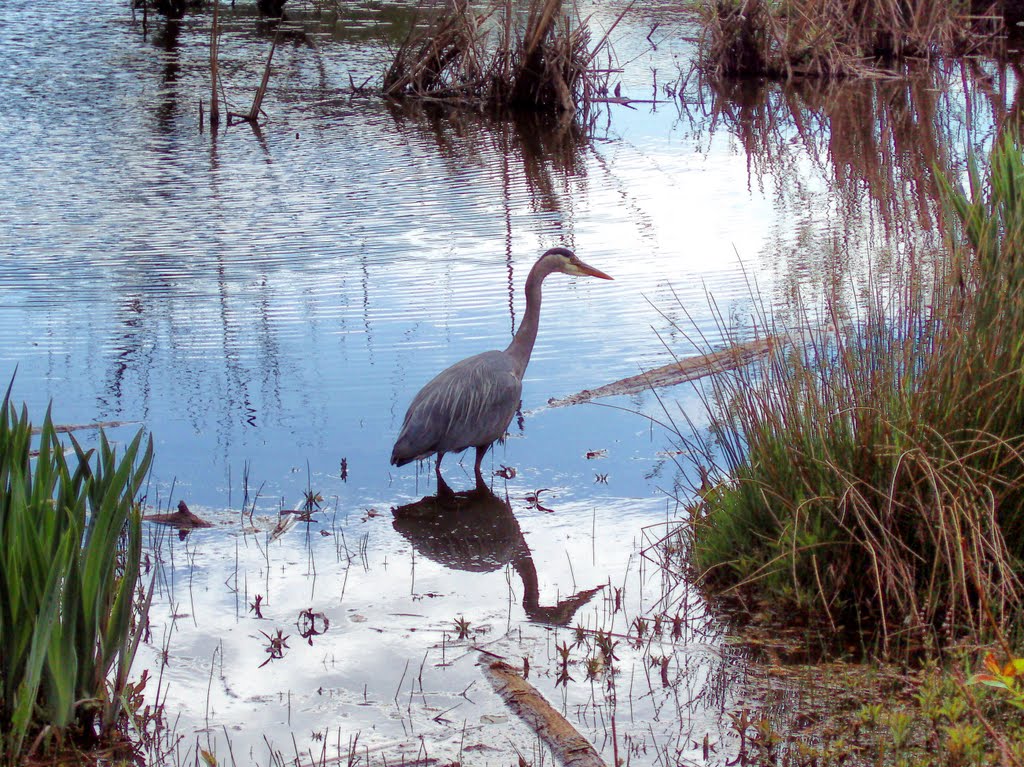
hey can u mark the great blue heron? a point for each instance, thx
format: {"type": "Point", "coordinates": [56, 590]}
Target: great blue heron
{"type": "Point", "coordinates": [472, 403]}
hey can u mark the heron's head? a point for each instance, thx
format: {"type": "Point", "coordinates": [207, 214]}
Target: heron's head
{"type": "Point", "coordinates": [565, 261]}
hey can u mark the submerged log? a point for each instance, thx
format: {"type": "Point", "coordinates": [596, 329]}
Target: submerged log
{"type": "Point", "coordinates": [564, 740]}
{"type": "Point", "coordinates": [65, 428]}
{"type": "Point", "coordinates": [690, 369]}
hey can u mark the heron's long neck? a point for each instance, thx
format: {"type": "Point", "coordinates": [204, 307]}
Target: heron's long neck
{"type": "Point", "coordinates": [522, 343]}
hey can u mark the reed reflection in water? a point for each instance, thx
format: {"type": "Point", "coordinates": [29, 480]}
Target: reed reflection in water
{"type": "Point", "coordinates": [852, 165]}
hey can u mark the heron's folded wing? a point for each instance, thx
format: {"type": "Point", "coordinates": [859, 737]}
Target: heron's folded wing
{"type": "Point", "coordinates": [469, 404]}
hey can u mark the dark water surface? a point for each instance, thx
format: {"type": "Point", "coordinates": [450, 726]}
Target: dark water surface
{"type": "Point", "coordinates": [267, 302]}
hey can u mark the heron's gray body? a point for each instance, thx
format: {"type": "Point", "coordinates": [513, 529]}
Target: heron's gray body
{"type": "Point", "coordinates": [472, 403]}
{"type": "Point", "coordinates": [469, 404]}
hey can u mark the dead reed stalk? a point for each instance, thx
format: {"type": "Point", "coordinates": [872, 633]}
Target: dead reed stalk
{"type": "Point", "coordinates": [253, 115]}
{"type": "Point", "coordinates": [257, 101]}
{"type": "Point", "coordinates": [214, 102]}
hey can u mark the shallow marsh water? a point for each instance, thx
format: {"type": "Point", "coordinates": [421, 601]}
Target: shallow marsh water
{"type": "Point", "coordinates": [267, 302]}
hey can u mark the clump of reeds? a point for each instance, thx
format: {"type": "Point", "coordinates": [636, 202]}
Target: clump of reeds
{"type": "Point", "coordinates": [69, 568]}
{"type": "Point", "coordinates": [498, 58]}
{"type": "Point", "coordinates": [836, 38]}
{"type": "Point", "coordinates": [874, 472]}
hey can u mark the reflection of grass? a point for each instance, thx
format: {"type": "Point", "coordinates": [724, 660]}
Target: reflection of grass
{"type": "Point", "coordinates": [69, 566]}
{"type": "Point", "coordinates": [853, 164]}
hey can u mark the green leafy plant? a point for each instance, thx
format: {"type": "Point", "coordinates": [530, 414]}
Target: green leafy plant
{"type": "Point", "coordinates": [1008, 677]}
{"type": "Point", "coordinates": [69, 567]}
{"type": "Point", "coordinates": [900, 723]}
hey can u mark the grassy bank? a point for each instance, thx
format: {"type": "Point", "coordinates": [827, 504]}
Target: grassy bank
{"type": "Point", "coordinates": [69, 570]}
{"type": "Point", "coordinates": [872, 473]}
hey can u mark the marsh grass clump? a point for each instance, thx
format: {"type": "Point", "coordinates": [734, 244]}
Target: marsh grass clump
{"type": "Point", "coordinates": [70, 617]}
{"type": "Point", "coordinates": [498, 58]}
{"type": "Point", "coordinates": [873, 473]}
{"type": "Point", "coordinates": [836, 38]}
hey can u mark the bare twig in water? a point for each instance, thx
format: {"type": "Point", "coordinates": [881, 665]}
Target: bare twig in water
{"type": "Point", "coordinates": [257, 101]}
{"type": "Point", "coordinates": [214, 103]}
{"type": "Point", "coordinates": [254, 111]}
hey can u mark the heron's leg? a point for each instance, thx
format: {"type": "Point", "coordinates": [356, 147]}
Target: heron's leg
{"type": "Point", "coordinates": [480, 483]}
{"type": "Point", "coordinates": [442, 486]}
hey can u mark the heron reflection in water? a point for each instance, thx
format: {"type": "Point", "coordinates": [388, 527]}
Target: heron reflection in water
{"type": "Point", "coordinates": [477, 531]}
{"type": "Point", "coordinates": [472, 403]}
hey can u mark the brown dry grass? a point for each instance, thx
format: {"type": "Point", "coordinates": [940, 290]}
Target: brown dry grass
{"type": "Point", "coordinates": [838, 38]}
{"type": "Point", "coordinates": [487, 58]}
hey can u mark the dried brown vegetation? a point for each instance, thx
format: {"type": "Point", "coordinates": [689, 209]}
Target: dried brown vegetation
{"type": "Point", "coordinates": [499, 58]}
{"type": "Point", "coordinates": [838, 38]}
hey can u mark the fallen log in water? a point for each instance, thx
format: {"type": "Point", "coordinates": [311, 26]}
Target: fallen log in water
{"type": "Point", "coordinates": [690, 369]}
{"type": "Point", "coordinates": [568, 746]}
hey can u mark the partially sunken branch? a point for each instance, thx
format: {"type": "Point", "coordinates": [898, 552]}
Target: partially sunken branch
{"type": "Point", "coordinates": [564, 740]}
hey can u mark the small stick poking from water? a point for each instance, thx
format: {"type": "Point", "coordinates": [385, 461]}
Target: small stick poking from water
{"type": "Point", "coordinates": [253, 114]}
{"type": "Point", "coordinates": [214, 104]}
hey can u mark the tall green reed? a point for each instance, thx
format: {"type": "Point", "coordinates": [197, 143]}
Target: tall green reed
{"type": "Point", "coordinates": [70, 552]}
{"type": "Point", "coordinates": [873, 472]}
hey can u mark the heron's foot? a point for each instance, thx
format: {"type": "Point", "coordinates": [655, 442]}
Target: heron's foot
{"type": "Point", "coordinates": [443, 491]}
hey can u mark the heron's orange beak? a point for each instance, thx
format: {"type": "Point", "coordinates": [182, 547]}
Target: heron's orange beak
{"type": "Point", "coordinates": [592, 272]}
